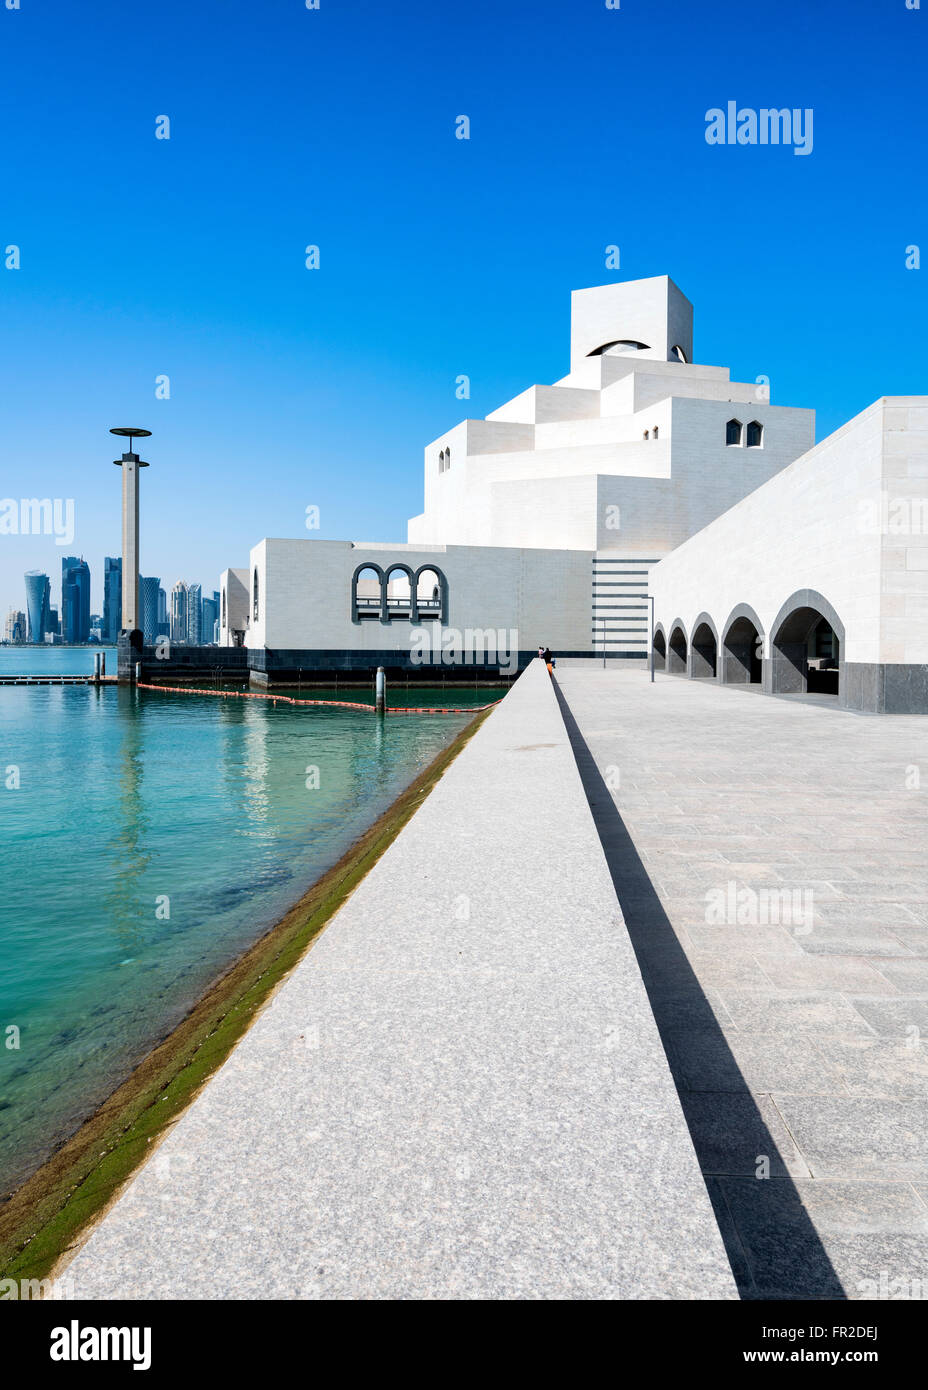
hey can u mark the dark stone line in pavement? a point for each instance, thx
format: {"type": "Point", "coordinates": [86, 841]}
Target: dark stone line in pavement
{"type": "Point", "coordinates": [784, 1256]}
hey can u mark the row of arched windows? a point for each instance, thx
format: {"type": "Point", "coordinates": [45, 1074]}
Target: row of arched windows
{"type": "Point", "coordinates": [415, 596]}
{"type": "Point", "coordinates": [752, 435]}
{"type": "Point", "coordinates": [444, 460]}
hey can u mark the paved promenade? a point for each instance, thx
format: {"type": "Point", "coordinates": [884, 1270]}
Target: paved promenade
{"type": "Point", "coordinates": [459, 1093]}
{"type": "Point", "coordinates": [799, 1035]}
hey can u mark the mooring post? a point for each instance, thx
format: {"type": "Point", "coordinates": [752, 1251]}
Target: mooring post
{"type": "Point", "coordinates": [380, 690]}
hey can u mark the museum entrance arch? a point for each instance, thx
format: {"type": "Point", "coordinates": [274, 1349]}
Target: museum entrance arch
{"type": "Point", "coordinates": [705, 649]}
{"type": "Point", "coordinates": [742, 648]}
{"type": "Point", "coordinates": [676, 652]}
{"type": "Point", "coordinates": [807, 647]}
{"type": "Point", "coordinates": [659, 645]}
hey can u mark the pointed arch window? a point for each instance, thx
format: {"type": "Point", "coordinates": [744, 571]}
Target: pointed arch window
{"type": "Point", "coordinates": [755, 435]}
{"type": "Point", "coordinates": [255, 595]}
{"type": "Point", "coordinates": [733, 432]}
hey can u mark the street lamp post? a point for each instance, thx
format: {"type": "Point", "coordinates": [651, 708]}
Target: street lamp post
{"type": "Point", "coordinates": [130, 636]}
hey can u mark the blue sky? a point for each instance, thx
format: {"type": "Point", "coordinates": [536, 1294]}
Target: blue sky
{"type": "Point", "coordinates": [439, 257]}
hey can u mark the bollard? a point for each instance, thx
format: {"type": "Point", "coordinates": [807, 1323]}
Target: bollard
{"type": "Point", "coordinates": [380, 688]}
{"type": "Point", "coordinates": [103, 665]}
{"type": "Point", "coordinates": [138, 672]}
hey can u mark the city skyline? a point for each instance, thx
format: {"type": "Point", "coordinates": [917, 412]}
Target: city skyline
{"type": "Point", "coordinates": [74, 623]}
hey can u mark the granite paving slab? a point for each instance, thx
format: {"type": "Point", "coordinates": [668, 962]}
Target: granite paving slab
{"type": "Point", "coordinates": [822, 1054]}
{"type": "Point", "coordinates": [459, 1092]}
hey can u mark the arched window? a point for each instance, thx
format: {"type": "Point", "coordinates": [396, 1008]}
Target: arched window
{"type": "Point", "coordinates": [441, 461]}
{"type": "Point", "coordinates": [755, 435]}
{"type": "Point", "coordinates": [367, 593]}
{"type": "Point", "coordinates": [255, 589]}
{"type": "Point", "coordinates": [618, 347]}
{"type": "Point", "coordinates": [654, 431]}
{"type": "Point", "coordinates": [399, 592]}
{"type": "Point", "coordinates": [431, 588]}
{"type": "Point", "coordinates": [447, 459]}
{"type": "Point", "coordinates": [647, 434]}
{"type": "Point", "coordinates": [733, 432]}
{"type": "Point", "coordinates": [223, 606]}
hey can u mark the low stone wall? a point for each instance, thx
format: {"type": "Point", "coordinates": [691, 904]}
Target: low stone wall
{"type": "Point", "coordinates": [460, 1092]}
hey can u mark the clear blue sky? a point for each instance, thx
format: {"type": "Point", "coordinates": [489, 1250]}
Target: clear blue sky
{"type": "Point", "coordinates": [439, 257]}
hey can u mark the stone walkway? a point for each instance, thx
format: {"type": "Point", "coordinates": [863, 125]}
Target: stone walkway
{"type": "Point", "coordinates": [459, 1092]}
{"type": "Point", "coordinates": [771, 860]}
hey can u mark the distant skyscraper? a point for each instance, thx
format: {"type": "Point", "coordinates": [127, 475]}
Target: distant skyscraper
{"type": "Point", "coordinates": [194, 614]}
{"type": "Point", "coordinates": [164, 627]}
{"type": "Point", "coordinates": [53, 625]}
{"type": "Point", "coordinates": [149, 590]}
{"type": "Point", "coordinates": [38, 588]}
{"type": "Point", "coordinates": [112, 597]}
{"type": "Point", "coordinates": [179, 613]}
{"type": "Point", "coordinates": [209, 613]}
{"type": "Point", "coordinates": [16, 626]}
{"type": "Point", "coordinates": [75, 599]}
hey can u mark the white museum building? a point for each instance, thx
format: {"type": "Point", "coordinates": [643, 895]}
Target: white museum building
{"type": "Point", "coordinates": [639, 480]}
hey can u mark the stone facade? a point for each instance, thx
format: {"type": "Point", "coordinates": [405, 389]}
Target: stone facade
{"type": "Point", "coordinates": [640, 475]}
{"type": "Point", "coordinates": [627, 453]}
{"type": "Point", "coordinates": [544, 518]}
{"type": "Point", "coordinates": [841, 533]}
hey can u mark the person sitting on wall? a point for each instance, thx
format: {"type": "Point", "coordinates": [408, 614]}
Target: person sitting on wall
{"type": "Point", "coordinates": [541, 652]}
{"type": "Point", "coordinates": [548, 660]}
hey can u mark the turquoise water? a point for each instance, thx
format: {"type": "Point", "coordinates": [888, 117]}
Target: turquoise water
{"type": "Point", "coordinates": [58, 661]}
{"type": "Point", "coordinates": [151, 840]}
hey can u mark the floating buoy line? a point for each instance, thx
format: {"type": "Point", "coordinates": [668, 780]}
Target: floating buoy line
{"type": "Point", "coordinates": [325, 704]}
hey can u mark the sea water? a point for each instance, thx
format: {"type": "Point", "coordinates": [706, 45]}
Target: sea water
{"type": "Point", "coordinates": [146, 840]}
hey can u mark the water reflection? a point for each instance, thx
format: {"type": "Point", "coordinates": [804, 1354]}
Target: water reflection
{"type": "Point", "coordinates": [131, 856]}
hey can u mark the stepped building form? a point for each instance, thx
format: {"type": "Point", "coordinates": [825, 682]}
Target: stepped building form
{"type": "Point", "coordinates": [640, 478]}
